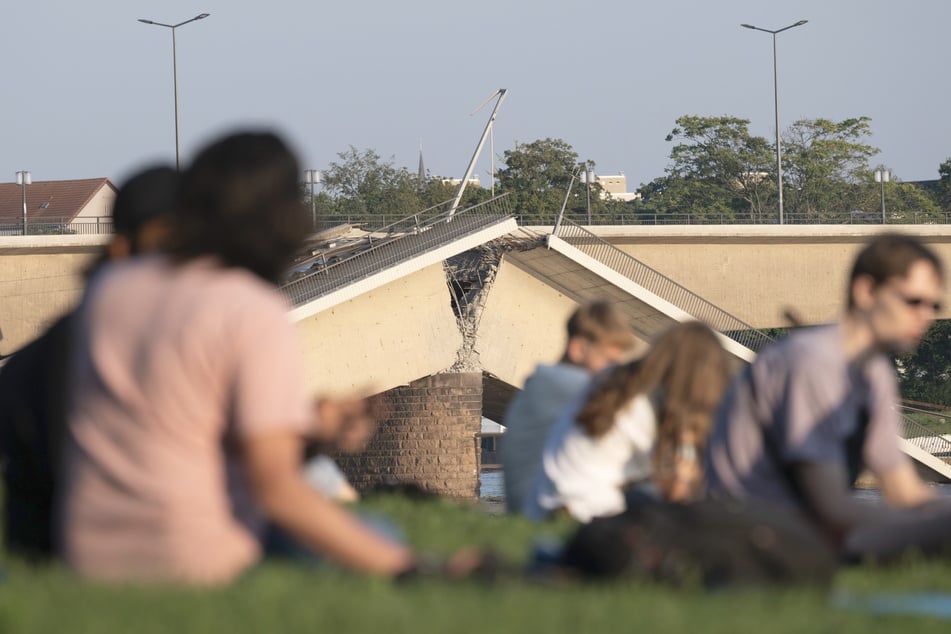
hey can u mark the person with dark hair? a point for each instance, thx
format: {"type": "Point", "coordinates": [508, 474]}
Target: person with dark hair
{"type": "Point", "coordinates": [815, 408]}
{"type": "Point", "coordinates": [597, 336]}
{"type": "Point", "coordinates": [33, 382]}
{"type": "Point", "coordinates": [642, 422]}
{"type": "Point", "coordinates": [190, 412]}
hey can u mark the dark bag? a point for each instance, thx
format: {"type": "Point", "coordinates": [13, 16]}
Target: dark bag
{"type": "Point", "coordinates": [711, 543]}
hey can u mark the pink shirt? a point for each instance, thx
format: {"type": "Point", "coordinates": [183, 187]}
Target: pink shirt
{"type": "Point", "coordinates": [173, 364]}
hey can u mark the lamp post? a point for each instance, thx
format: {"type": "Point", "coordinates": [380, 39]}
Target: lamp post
{"type": "Point", "coordinates": [312, 177]}
{"type": "Point", "coordinates": [23, 179]}
{"type": "Point", "coordinates": [587, 176]}
{"type": "Point", "coordinates": [882, 176]}
{"type": "Point", "coordinates": [779, 153]}
{"type": "Point", "coordinates": [200, 16]}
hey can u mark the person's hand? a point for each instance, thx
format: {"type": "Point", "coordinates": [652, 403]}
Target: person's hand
{"type": "Point", "coordinates": [682, 481]}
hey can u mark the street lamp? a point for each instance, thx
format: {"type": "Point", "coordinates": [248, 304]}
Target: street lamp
{"type": "Point", "coordinates": [587, 177]}
{"type": "Point", "coordinates": [312, 177]}
{"type": "Point", "coordinates": [779, 154]}
{"type": "Point", "coordinates": [882, 176]}
{"type": "Point", "coordinates": [23, 179]}
{"type": "Point", "coordinates": [200, 16]}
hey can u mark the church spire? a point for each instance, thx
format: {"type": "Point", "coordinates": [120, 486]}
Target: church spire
{"type": "Point", "coordinates": [421, 174]}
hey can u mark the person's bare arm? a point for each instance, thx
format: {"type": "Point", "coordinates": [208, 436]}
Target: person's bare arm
{"type": "Point", "coordinates": [902, 487]}
{"type": "Point", "coordinates": [271, 460]}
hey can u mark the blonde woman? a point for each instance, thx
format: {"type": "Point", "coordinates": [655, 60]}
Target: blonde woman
{"type": "Point", "coordinates": [641, 422]}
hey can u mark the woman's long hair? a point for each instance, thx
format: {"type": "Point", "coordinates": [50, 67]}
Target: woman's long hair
{"type": "Point", "coordinates": [687, 370]}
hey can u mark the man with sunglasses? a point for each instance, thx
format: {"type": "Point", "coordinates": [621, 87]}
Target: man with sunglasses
{"type": "Point", "coordinates": [798, 425]}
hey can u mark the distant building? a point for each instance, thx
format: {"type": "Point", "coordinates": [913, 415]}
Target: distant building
{"type": "Point", "coordinates": [614, 186]}
{"type": "Point", "coordinates": [70, 206]}
{"type": "Point", "coordinates": [472, 182]}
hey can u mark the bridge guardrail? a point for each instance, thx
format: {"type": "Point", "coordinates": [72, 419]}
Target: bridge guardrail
{"type": "Point", "coordinates": [96, 225]}
{"type": "Point", "coordinates": [924, 438]}
{"type": "Point", "coordinates": [912, 217]}
{"type": "Point", "coordinates": [396, 243]}
{"type": "Point", "coordinates": [661, 285]}
{"type": "Point", "coordinates": [102, 225]}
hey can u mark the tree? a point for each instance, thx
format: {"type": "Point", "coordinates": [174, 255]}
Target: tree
{"type": "Point", "coordinates": [362, 183]}
{"type": "Point", "coordinates": [717, 169]}
{"type": "Point", "coordinates": [925, 374]}
{"type": "Point", "coordinates": [943, 189]}
{"type": "Point", "coordinates": [439, 191]}
{"type": "Point", "coordinates": [537, 176]}
{"type": "Point", "coordinates": [823, 162]}
{"type": "Point", "coordinates": [904, 202]}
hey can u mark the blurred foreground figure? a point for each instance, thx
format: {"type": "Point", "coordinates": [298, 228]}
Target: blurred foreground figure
{"type": "Point", "coordinates": [598, 336]}
{"type": "Point", "coordinates": [642, 423]}
{"type": "Point", "coordinates": [346, 425]}
{"type": "Point", "coordinates": [190, 412]}
{"type": "Point", "coordinates": [33, 383]}
{"type": "Point", "coordinates": [815, 408]}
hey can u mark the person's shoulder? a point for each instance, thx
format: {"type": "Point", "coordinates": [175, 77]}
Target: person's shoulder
{"type": "Point", "coordinates": [234, 287]}
{"type": "Point", "coordinates": [880, 368]}
{"type": "Point", "coordinates": [814, 346]}
{"type": "Point", "coordinates": [642, 408]}
{"type": "Point", "coordinates": [559, 376]}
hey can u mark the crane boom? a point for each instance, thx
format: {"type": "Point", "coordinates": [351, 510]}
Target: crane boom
{"type": "Point", "coordinates": [488, 127]}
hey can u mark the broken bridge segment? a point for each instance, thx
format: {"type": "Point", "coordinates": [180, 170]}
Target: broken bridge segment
{"type": "Point", "coordinates": [383, 317]}
{"type": "Point", "coordinates": [396, 256]}
{"type": "Point", "coordinates": [585, 268]}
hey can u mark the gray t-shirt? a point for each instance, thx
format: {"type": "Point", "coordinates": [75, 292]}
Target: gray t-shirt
{"type": "Point", "coordinates": [528, 420]}
{"type": "Point", "coordinates": [808, 400]}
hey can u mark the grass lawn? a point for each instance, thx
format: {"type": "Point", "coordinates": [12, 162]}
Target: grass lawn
{"type": "Point", "coordinates": [285, 598]}
{"type": "Point", "coordinates": [937, 423]}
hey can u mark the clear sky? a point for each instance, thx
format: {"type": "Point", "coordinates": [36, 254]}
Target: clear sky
{"type": "Point", "coordinates": [88, 89]}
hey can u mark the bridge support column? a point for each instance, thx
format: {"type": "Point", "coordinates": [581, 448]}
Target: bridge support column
{"type": "Point", "coordinates": [430, 437]}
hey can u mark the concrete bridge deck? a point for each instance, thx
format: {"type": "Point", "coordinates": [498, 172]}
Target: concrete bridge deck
{"type": "Point", "coordinates": [401, 321]}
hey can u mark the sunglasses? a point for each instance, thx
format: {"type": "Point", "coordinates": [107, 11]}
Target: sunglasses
{"type": "Point", "coordinates": [918, 302]}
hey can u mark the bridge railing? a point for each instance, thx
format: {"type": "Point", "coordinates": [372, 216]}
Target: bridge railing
{"type": "Point", "coordinates": [396, 243]}
{"type": "Point", "coordinates": [94, 225]}
{"type": "Point", "coordinates": [922, 436]}
{"type": "Point", "coordinates": [856, 218]}
{"type": "Point", "coordinates": [661, 285]}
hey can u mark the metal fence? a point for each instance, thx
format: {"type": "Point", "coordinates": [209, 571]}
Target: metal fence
{"type": "Point", "coordinates": [856, 218]}
{"type": "Point", "coordinates": [396, 243]}
{"type": "Point", "coordinates": [102, 225]}
{"type": "Point", "coordinates": [924, 437]}
{"type": "Point", "coordinates": [661, 285]}
{"type": "Point", "coordinates": [96, 225]}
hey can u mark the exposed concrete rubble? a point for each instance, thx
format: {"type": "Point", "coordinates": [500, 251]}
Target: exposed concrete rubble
{"type": "Point", "coordinates": [470, 276]}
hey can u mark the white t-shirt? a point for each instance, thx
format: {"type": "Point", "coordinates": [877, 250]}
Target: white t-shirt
{"type": "Point", "coordinates": [586, 475]}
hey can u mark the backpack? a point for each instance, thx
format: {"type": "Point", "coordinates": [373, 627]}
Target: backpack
{"type": "Point", "coordinates": [711, 543]}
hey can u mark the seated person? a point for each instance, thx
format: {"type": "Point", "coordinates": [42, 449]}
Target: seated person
{"type": "Point", "coordinates": [647, 418]}
{"type": "Point", "coordinates": [815, 408]}
{"type": "Point", "coordinates": [188, 410]}
{"type": "Point", "coordinates": [598, 336]}
{"type": "Point", "coordinates": [344, 426]}
{"type": "Point", "coordinates": [33, 382]}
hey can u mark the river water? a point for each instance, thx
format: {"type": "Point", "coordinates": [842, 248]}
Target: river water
{"type": "Point", "coordinates": [492, 490]}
